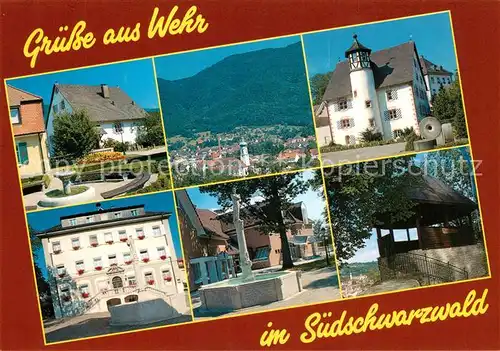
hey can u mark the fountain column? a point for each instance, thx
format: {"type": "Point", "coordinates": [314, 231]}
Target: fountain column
{"type": "Point", "coordinates": [245, 263]}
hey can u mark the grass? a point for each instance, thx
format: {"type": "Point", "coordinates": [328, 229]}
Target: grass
{"type": "Point", "coordinates": [74, 191]}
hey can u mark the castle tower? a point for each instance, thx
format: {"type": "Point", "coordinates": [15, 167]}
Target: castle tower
{"type": "Point", "coordinates": [244, 157]}
{"type": "Point", "coordinates": [364, 94]}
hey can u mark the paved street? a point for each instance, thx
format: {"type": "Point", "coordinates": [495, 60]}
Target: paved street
{"type": "Point", "coordinates": [361, 154]}
{"type": "Point", "coordinates": [319, 285]}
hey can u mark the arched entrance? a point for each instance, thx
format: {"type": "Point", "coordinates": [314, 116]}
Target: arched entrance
{"type": "Point", "coordinates": [117, 282]}
{"type": "Point", "coordinates": [131, 298]}
{"type": "Point", "coordinates": [113, 302]}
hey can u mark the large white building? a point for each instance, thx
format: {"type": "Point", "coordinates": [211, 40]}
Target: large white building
{"type": "Point", "coordinates": [436, 77]}
{"type": "Point", "coordinates": [110, 257]}
{"type": "Point", "coordinates": [383, 91]}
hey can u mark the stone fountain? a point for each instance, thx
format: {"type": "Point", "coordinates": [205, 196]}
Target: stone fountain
{"type": "Point", "coordinates": [248, 289]}
{"type": "Point", "coordinates": [66, 198]}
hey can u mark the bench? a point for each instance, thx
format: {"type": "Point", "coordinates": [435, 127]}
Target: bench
{"type": "Point", "coordinates": [135, 184]}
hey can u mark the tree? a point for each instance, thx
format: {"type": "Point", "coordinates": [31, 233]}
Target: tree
{"type": "Point", "coordinates": [357, 194]}
{"type": "Point", "coordinates": [447, 108]}
{"type": "Point", "coordinates": [278, 194]}
{"type": "Point", "coordinates": [322, 234]}
{"type": "Point", "coordinates": [150, 131]}
{"type": "Point", "coordinates": [75, 135]}
{"type": "Point", "coordinates": [369, 135]}
{"type": "Point", "coordinates": [318, 83]}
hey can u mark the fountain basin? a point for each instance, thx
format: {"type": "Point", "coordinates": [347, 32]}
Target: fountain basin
{"type": "Point", "coordinates": [145, 312]}
{"type": "Point", "coordinates": [234, 294]}
{"type": "Point", "coordinates": [87, 195]}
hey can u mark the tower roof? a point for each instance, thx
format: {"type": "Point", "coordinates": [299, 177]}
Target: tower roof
{"type": "Point", "coordinates": [356, 46]}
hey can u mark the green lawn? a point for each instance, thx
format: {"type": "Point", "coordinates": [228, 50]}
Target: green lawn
{"type": "Point", "coordinates": [74, 191]}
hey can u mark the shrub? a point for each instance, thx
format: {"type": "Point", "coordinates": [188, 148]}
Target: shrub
{"type": "Point", "coordinates": [101, 157]}
{"type": "Point", "coordinates": [122, 147]}
{"type": "Point", "coordinates": [410, 139]}
{"type": "Point", "coordinates": [369, 135]}
{"type": "Point", "coordinates": [109, 143]}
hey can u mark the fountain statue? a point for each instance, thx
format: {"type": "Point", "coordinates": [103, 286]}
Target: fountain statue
{"type": "Point", "coordinates": [245, 263]}
{"type": "Point", "coordinates": [65, 177]}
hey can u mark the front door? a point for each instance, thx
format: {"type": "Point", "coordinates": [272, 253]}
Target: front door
{"type": "Point", "coordinates": [117, 282]}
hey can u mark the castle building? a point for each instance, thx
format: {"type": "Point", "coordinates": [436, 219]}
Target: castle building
{"type": "Point", "coordinates": [383, 91]}
{"type": "Point", "coordinates": [435, 76]}
{"type": "Point", "coordinates": [109, 257]}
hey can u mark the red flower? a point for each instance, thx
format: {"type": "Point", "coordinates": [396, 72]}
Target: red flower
{"type": "Point", "coordinates": [142, 236]}
{"type": "Point", "coordinates": [168, 278]}
{"type": "Point", "coordinates": [151, 282]}
{"type": "Point", "coordinates": [94, 244]}
{"type": "Point", "coordinates": [145, 260]}
{"type": "Point", "coordinates": [80, 271]}
{"type": "Point", "coordinates": [163, 257]}
{"type": "Point", "coordinates": [123, 240]}
{"type": "Point", "coordinates": [85, 295]}
{"type": "Point", "coordinates": [98, 268]}
{"type": "Point", "coordinates": [109, 242]}
{"type": "Point", "coordinates": [128, 262]}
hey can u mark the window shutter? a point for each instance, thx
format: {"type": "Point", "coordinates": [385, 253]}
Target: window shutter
{"type": "Point", "coordinates": [23, 153]}
{"type": "Point", "coordinates": [386, 115]}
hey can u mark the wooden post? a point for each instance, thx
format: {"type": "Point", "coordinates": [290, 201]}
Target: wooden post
{"type": "Point", "coordinates": [381, 250]}
{"type": "Point", "coordinates": [419, 232]}
{"type": "Point", "coordinates": [408, 234]}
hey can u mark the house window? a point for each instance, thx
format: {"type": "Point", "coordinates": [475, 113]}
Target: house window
{"type": "Point", "coordinates": [262, 253]}
{"type": "Point", "coordinates": [144, 255]}
{"type": "Point", "coordinates": [127, 258]}
{"type": "Point", "coordinates": [342, 104]}
{"type": "Point", "coordinates": [161, 252]}
{"type": "Point", "coordinates": [368, 103]}
{"type": "Point", "coordinates": [79, 266]}
{"type": "Point", "coordinates": [432, 79]}
{"type": "Point", "coordinates": [61, 270]}
{"type": "Point", "coordinates": [122, 235]}
{"type": "Point", "coordinates": [56, 247]}
{"type": "Point", "coordinates": [140, 233]}
{"type": "Point", "coordinates": [448, 81]}
{"type": "Point", "coordinates": [134, 213]}
{"type": "Point", "coordinates": [22, 153]}
{"type": "Point", "coordinates": [118, 127]}
{"type": "Point", "coordinates": [55, 108]}
{"type": "Point", "coordinates": [372, 122]}
{"type": "Point", "coordinates": [345, 123]}
{"type": "Point", "coordinates": [391, 95]}
{"type": "Point", "coordinates": [156, 231]}
{"type": "Point", "coordinates": [112, 260]}
{"type": "Point", "coordinates": [166, 275]}
{"type": "Point", "coordinates": [397, 133]}
{"type": "Point", "coordinates": [97, 262]}
{"type": "Point", "coordinates": [14, 115]}
{"type": "Point", "coordinates": [62, 105]}
{"type": "Point", "coordinates": [93, 240]}
{"type": "Point", "coordinates": [393, 114]}
{"type": "Point", "coordinates": [84, 289]}
{"type": "Point", "coordinates": [118, 215]}
{"type": "Point", "coordinates": [132, 281]}
{"type": "Point", "coordinates": [434, 91]}
{"type": "Point", "coordinates": [75, 243]}
{"type": "Point", "coordinates": [108, 238]}
{"type": "Point", "coordinates": [72, 221]}
{"type": "Point", "coordinates": [89, 219]}
{"type": "Point", "coordinates": [148, 277]}
{"type": "Point", "coordinates": [65, 294]}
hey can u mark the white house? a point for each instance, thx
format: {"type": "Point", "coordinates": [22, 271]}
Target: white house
{"type": "Point", "coordinates": [110, 257]}
{"type": "Point", "coordinates": [436, 77]}
{"type": "Point", "coordinates": [113, 111]}
{"type": "Point", "coordinates": [384, 91]}
{"type": "Point", "coordinates": [323, 127]}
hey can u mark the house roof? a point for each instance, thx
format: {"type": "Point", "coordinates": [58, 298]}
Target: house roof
{"type": "Point", "coordinates": [17, 96]}
{"type": "Point", "coordinates": [118, 107]}
{"type": "Point", "coordinates": [211, 223]}
{"type": "Point", "coordinates": [434, 191]}
{"type": "Point", "coordinates": [390, 66]}
{"type": "Point", "coordinates": [429, 67]}
{"type": "Point", "coordinates": [356, 46]}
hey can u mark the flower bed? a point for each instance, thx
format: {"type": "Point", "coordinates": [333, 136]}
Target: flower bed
{"type": "Point", "coordinates": [151, 282]}
{"type": "Point", "coordinates": [85, 295]}
{"type": "Point", "coordinates": [81, 271]}
{"type": "Point", "coordinates": [101, 157]}
{"type": "Point", "coordinates": [145, 260]}
{"type": "Point", "coordinates": [168, 278]}
{"type": "Point", "coordinates": [98, 268]}
{"type": "Point", "coordinates": [163, 257]}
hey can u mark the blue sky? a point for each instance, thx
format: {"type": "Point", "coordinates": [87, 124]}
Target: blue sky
{"type": "Point", "coordinates": [314, 203]}
{"type": "Point", "coordinates": [185, 65]}
{"type": "Point", "coordinates": [154, 202]}
{"type": "Point", "coordinates": [431, 34]}
{"type": "Point", "coordinates": [370, 251]}
{"type": "Point", "coordinates": [136, 78]}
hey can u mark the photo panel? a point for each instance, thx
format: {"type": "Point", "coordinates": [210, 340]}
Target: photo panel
{"type": "Point", "coordinates": [385, 89]}
{"type": "Point", "coordinates": [237, 111]}
{"type": "Point", "coordinates": [257, 245]}
{"type": "Point", "coordinates": [109, 267]}
{"type": "Point", "coordinates": [88, 134]}
{"type": "Point", "coordinates": [406, 222]}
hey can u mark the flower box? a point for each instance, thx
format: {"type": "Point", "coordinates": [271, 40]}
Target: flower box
{"type": "Point", "coordinates": [109, 242]}
{"type": "Point", "coordinates": [151, 282]}
{"type": "Point", "coordinates": [66, 298]}
{"type": "Point", "coordinates": [94, 244]}
{"type": "Point", "coordinates": [145, 260]}
{"type": "Point", "coordinates": [76, 247]}
{"type": "Point", "coordinates": [168, 278]}
{"type": "Point", "coordinates": [80, 271]}
{"type": "Point", "coordinates": [98, 268]}
{"type": "Point", "coordinates": [141, 237]}
{"type": "Point", "coordinates": [85, 295]}
{"type": "Point", "coordinates": [163, 257]}
{"type": "Point", "coordinates": [123, 240]}
{"type": "Point", "coordinates": [61, 275]}
{"type": "Point", "coordinates": [57, 251]}
{"type": "Point", "coordinates": [128, 262]}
